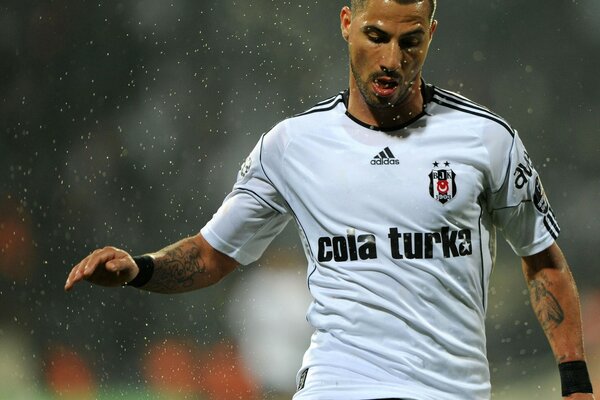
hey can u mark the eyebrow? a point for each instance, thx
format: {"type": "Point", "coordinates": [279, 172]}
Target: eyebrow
{"type": "Point", "coordinates": [372, 28]}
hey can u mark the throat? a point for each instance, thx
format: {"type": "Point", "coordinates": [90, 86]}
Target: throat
{"type": "Point", "coordinates": [385, 118]}
{"type": "Point", "coordinates": [385, 112]}
{"type": "Point", "coordinates": [395, 116]}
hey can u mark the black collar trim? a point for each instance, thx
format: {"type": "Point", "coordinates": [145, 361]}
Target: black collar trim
{"type": "Point", "coordinates": [427, 91]}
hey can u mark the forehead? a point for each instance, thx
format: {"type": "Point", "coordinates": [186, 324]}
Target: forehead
{"type": "Point", "coordinates": [390, 15]}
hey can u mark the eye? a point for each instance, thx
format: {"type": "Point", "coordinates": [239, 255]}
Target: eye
{"type": "Point", "coordinates": [376, 38]}
{"type": "Point", "coordinates": [409, 43]}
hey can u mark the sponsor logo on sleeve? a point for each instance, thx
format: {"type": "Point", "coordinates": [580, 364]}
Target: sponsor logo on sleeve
{"type": "Point", "coordinates": [523, 172]}
{"type": "Point", "coordinates": [246, 166]}
{"type": "Point", "coordinates": [539, 197]}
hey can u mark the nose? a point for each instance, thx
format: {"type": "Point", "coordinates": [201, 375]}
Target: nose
{"type": "Point", "coordinates": [391, 57]}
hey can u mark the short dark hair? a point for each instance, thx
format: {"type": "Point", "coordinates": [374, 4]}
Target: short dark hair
{"type": "Point", "coordinates": [358, 5]}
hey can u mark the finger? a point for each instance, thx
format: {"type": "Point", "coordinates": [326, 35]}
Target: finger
{"type": "Point", "coordinates": [72, 279]}
{"type": "Point", "coordinates": [89, 262]}
{"type": "Point", "coordinates": [75, 274]}
{"type": "Point", "coordinates": [118, 264]}
{"type": "Point", "coordinates": [97, 258]}
{"type": "Point", "coordinates": [68, 283]}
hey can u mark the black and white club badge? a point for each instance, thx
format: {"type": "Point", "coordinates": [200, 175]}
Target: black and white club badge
{"type": "Point", "coordinates": [442, 182]}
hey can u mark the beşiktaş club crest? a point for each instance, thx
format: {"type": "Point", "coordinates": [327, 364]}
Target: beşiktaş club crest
{"type": "Point", "coordinates": [442, 182]}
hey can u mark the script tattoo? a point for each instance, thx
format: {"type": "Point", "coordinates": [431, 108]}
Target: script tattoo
{"type": "Point", "coordinates": [547, 308]}
{"type": "Point", "coordinates": [176, 270]}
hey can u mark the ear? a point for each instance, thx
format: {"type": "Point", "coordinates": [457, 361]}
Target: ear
{"type": "Point", "coordinates": [345, 21]}
{"type": "Point", "coordinates": [432, 29]}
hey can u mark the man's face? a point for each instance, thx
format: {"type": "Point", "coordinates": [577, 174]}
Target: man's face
{"type": "Point", "coordinates": [388, 44]}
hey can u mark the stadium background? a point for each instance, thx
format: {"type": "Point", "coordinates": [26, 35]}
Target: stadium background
{"type": "Point", "coordinates": [125, 122]}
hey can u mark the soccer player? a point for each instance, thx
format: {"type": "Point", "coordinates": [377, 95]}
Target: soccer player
{"type": "Point", "coordinates": [397, 188]}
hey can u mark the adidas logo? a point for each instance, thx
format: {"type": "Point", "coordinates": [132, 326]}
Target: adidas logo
{"type": "Point", "coordinates": [385, 157]}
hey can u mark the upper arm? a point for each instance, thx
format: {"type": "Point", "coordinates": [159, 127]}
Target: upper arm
{"type": "Point", "coordinates": [520, 208]}
{"type": "Point", "coordinates": [255, 211]}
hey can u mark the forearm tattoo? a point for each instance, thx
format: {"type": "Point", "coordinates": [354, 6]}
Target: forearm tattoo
{"type": "Point", "coordinates": [545, 305]}
{"type": "Point", "coordinates": [176, 268]}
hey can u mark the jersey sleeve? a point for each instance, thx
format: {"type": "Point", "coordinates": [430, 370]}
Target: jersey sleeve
{"type": "Point", "coordinates": [520, 208]}
{"type": "Point", "coordinates": [252, 214]}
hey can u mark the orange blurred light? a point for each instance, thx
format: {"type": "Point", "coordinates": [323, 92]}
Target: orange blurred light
{"type": "Point", "coordinates": [68, 375]}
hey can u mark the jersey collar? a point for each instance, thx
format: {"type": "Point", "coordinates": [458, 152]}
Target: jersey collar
{"type": "Point", "coordinates": [427, 92]}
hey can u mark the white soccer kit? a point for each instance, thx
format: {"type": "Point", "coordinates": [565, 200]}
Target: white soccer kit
{"type": "Point", "coordinates": [399, 232]}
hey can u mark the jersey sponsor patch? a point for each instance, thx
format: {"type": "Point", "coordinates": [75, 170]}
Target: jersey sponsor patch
{"type": "Point", "coordinates": [442, 182]}
{"type": "Point", "coordinates": [446, 243]}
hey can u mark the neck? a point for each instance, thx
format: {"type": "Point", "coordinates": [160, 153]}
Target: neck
{"type": "Point", "coordinates": [386, 117]}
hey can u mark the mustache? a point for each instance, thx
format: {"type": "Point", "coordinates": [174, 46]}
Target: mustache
{"type": "Point", "coordinates": [385, 74]}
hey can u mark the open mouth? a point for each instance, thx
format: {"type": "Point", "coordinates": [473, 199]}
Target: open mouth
{"type": "Point", "coordinates": [385, 86]}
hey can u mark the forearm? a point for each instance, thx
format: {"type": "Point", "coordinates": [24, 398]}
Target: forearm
{"type": "Point", "coordinates": [555, 301]}
{"type": "Point", "coordinates": [182, 267]}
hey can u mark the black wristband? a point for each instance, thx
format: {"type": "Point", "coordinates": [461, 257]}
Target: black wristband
{"type": "Point", "coordinates": [574, 378]}
{"type": "Point", "coordinates": [146, 266]}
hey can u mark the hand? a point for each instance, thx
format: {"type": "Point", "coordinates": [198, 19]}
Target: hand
{"type": "Point", "coordinates": [581, 396]}
{"type": "Point", "coordinates": [106, 267]}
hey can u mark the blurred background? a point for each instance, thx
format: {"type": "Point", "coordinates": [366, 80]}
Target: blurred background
{"type": "Point", "coordinates": [125, 122]}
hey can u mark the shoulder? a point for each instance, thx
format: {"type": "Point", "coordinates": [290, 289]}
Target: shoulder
{"type": "Point", "coordinates": [321, 109]}
{"type": "Point", "coordinates": [453, 106]}
{"type": "Point", "coordinates": [276, 141]}
{"type": "Point", "coordinates": [493, 133]}
{"type": "Point", "coordinates": [323, 113]}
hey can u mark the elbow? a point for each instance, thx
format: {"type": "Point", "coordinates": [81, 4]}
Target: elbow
{"type": "Point", "coordinates": [218, 271]}
{"type": "Point", "coordinates": [216, 264]}
{"type": "Point", "coordinates": [219, 274]}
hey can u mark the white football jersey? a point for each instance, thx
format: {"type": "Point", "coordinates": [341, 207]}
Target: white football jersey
{"type": "Point", "coordinates": [399, 232]}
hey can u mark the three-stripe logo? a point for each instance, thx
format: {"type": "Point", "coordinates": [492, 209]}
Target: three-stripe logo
{"type": "Point", "coordinates": [385, 157]}
{"type": "Point", "coordinates": [541, 203]}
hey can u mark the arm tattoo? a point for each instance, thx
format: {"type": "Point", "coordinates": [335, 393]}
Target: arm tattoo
{"type": "Point", "coordinates": [176, 269]}
{"type": "Point", "coordinates": [545, 305]}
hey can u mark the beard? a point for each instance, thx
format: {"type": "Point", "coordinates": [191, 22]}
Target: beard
{"type": "Point", "coordinates": [377, 102]}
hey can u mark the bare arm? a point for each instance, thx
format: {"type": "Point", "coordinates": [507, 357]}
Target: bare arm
{"type": "Point", "coordinates": [187, 265]}
{"type": "Point", "coordinates": [555, 301]}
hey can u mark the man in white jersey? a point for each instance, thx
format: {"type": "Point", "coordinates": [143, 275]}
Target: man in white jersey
{"type": "Point", "coordinates": [397, 188]}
